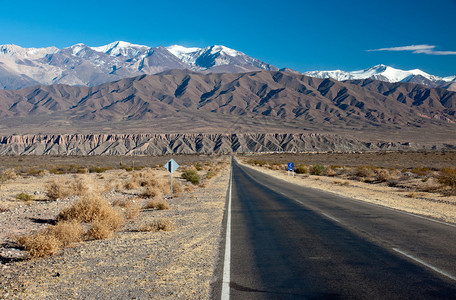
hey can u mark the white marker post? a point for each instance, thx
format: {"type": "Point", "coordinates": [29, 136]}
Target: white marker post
{"type": "Point", "coordinates": [290, 168]}
{"type": "Point", "coordinates": [171, 166]}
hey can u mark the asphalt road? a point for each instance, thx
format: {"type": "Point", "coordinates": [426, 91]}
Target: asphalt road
{"type": "Point", "coordinates": [291, 242]}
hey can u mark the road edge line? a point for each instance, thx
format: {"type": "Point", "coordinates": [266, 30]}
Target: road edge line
{"type": "Point", "coordinates": [441, 272]}
{"type": "Point", "coordinates": [225, 295]}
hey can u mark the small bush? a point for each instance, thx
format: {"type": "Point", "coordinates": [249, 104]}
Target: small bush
{"type": "Point", "coordinates": [448, 177]}
{"type": "Point", "coordinates": [316, 169]}
{"type": "Point", "coordinates": [157, 225]}
{"type": "Point", "coordinates": [199, 167]}
{"type": "Point", "coordinates": [40, 244]}
{"type": "Point", "coordinates": [191, 176]}
{"type": "Point", "coordinates": [97, 169]}
{"type": "Point", "coordinates": [24, 197]}
{"type": "Point", "coordinates": [131, 208]}
{"type": "Point", "coordinates": [99, 231]}
{"type": "Point", "coordinates": [210, 174]}
{"type": "Point", "coordinates": [91, 209]}
{"type": "Point", "coordinates": [152, 192]}
{"type": "Point", "coordinates": [423, 171]}
{"type": "Point", "coordinates": [178, 189]}
{"type": "Point", "coordinates": [330, 172]}
{"type": "Point", "coordinates": [57, 190]}
{"type": "Point", "coordinates": [66, 232]}
{"type": "Point", "coordinates": [156, 204]}
{"type": "Point", "coordinates": [364, 172]}
{"type": "Point", "coordinates": [8, 174]}
{"type": "Point", "coordinates": [383, 175]}
{"type": "Point", "coordinates": [301, 169]}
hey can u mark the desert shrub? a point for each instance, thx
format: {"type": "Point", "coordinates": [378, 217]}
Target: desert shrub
{"type": "Point", "coordinates": [330, 172]}
{"type": "Point", "coordinates": [447, 177]}
{"type": "Point", "coordinates": [156, 204]}
{"type": "Point", "coordinates": [393, 183]}
{"type": "Point", "coordinates": [36, 172]}
{"type": "Point", "coordinates": [97, 169]}
{"type": "Point", "coordinates": [57, 190]}
{"type": "Point", "coordinates": [157, 225]}
{"type": "Point", "coordinates": [210, 174]}
{"type": "Point", "coordinates": [423, 171]}
{"type": "Point", "coordinates": [300, 169]}
{"type": "Point", "coordinates": [316, 169]}
{"type": "Point", "coordinates": [40, 244]}
{"type": "Point", "coordinates": [91, 209]}
{"type": "Point", "coordinates": [364, 172]}
{"type": "Point", "coordinates": [152, 192]}
{"type": "Point", "coordinates": [82, 171]}
{"type": "Point", "coordinates": [257, 162]}
{"type": "Point", "coordinates": [8, 174]}
{"type": "Point", "coordinates": [199, 167]}
{"type": "Point", "coordinates": [178, 189]}
{"type": "Point", "coordinates": [191, 176]}
{"type": "Point", "coordinates": [24, 197]}
{"type": "Point", "coordinates": [383, 175]}
{"type": "Point", "coordinates": [131, 208]}
{"type": "Point", "coordinates": [99, 230]}
{"type": "Point", "coordinates": [66, 232]}
{"type": "Point", "coordinates": [131, 185]}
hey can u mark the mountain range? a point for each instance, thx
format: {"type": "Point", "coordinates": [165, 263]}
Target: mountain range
{"type": "Point", "coordinates": [183, 101]}
{"type": "Point", "coordinates": [81, 65]}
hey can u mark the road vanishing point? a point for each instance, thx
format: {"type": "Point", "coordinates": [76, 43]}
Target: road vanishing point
{"type": "Point", "coordinates": [285, 241]}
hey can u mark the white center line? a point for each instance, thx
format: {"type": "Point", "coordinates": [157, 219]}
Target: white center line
{"type": "Point", "coordinates": [227, 261]}
{"type": "Point", "coordinates": [425, 264]}
{"type": "Point", "coordinates": [330, 217]}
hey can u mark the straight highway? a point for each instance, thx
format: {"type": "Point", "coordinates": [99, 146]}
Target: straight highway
{"type": "Point", "coordinates": [290, 242]}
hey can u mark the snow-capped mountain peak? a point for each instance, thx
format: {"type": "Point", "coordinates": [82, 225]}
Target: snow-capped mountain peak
{"type": "Point", "coordinates": [120, 48]}
{"type": "Point", "coordinates": [224, 50]}
{"type": "Point", "coordinates": [30, 53]}
{"type": "Point", "coordinates": [378, 72]}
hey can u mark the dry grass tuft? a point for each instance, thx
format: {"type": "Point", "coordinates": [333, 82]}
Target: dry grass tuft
{"type": "Point", "coordinates": [99, 231]}
{"type": "Point", "coordinates": [39, 244]}
{"type": "Point", "coordinates": [24, 197]}
{"type": "Point", "coordinates": [178, 189]}
{"type": "Point", "coordinates": [383, 175]}
{"type": "Point", "coordinates": [157, 225]}
{"type": "Point", "coordinates": [131, 208]}
{"type": "Point", "coordinates": [94, 209]}
{"type": "Point", "coordinates": [67, 232]}
{"type": "Point", "coordinates": [152, 192]}
{"type": "Point", "coordinates": [156, 204]}
{"type": "Point", "coordinates": [57, 190]}
{"type": "Point", "coordinates": [8, 174]}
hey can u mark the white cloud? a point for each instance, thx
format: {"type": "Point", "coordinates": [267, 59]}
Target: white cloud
{"type": "Point", "coordinates": [426, 49]}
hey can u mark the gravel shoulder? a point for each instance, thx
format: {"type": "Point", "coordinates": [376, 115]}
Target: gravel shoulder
{"type": "Point", "coordinates": [131, 265]}
{"type": "Point", "coordinates": [421, 203]}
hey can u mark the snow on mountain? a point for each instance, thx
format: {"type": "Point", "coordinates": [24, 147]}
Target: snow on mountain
{"type": "Point", "coordinates": [378, 72]}
{"type": "Point", "coordinates": [120, 48]}
{"type": "Point", "coordinates": [29, 53]}
{"type": "Point", "coordinates": [80, 64]}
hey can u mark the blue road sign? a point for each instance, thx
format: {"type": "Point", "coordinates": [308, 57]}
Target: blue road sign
{"type": "Point", "coordinates": [171, 166]}
{"type": "Point", "coordinates": [291, 166]}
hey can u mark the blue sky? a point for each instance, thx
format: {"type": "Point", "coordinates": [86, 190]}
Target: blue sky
{"type": "Point", "coordinates": [302, 35]}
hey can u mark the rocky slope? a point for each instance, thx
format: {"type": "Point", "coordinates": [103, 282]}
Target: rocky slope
{"type": "Point", "coordinates": [279, 95]}
{"type": "Point", "coordinates": [144, 144]}
{"type": "Point", "coordinates": [90, 66]}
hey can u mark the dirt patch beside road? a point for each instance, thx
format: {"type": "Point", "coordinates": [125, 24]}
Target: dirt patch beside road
{"type": "Point", "coordinates": [426, 204]}
{"type": "Point", "coordinates": [131, 265]}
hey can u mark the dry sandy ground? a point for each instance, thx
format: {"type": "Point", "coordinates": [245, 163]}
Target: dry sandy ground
{"type": "Point", "coordinates": [131, 265]}
{"type": "Point", "coordinates": [425, 204]}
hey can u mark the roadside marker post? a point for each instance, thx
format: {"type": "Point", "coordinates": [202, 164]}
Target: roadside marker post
{"type": "Point", "coordinates": [171, 166]}
{"type": "Point", "coordinates": [290, 168]}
